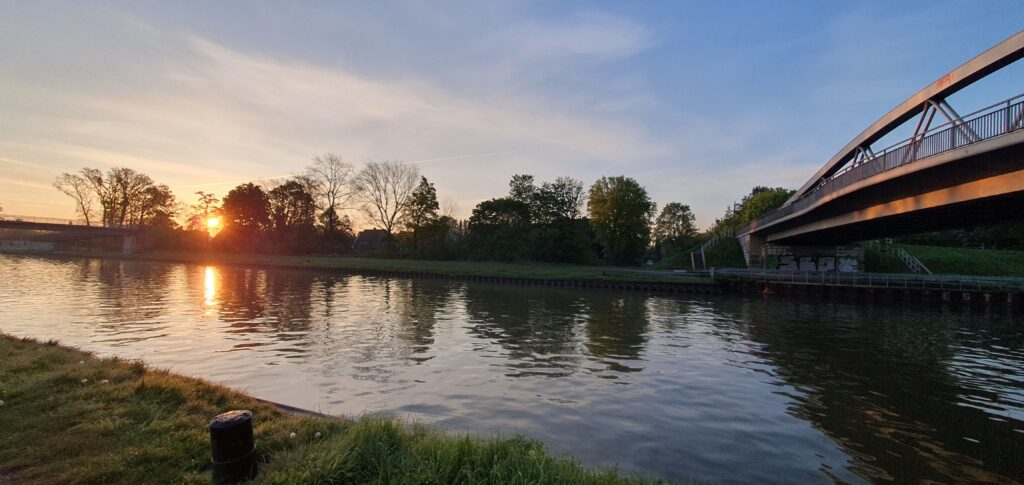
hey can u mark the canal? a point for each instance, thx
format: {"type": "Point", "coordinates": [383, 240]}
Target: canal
{"type": "Point", "coordinates": [716, 388]}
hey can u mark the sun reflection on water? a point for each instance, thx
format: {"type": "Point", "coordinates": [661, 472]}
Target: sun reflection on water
{"type": "Point", "coordinates": [209, 290]}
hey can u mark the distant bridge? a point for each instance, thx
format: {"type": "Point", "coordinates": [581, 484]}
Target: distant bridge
{"type": "Point", "coordinates": [966, 171]}
{"type": "Point", "coordinates": [50, 233]}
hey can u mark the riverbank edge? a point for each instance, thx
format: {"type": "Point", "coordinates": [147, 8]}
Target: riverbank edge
{"type": "Point", "coordinates": [610, 278]}
{"type": "Point", "coordinates": [67, 415]}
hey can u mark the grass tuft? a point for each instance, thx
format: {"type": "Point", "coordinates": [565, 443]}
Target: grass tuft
{"type": "Point", "coordinates": [69, 417]}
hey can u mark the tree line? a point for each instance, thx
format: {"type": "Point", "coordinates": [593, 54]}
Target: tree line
{"type": "Point", "coordinates": [614, 221]}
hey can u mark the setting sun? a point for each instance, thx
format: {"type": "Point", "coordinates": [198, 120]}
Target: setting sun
{"type": "Point", "coordinates": [213, 226]}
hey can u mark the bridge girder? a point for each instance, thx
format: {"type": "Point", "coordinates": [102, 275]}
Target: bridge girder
{"type": "Point", "coordinates": [931, 97]}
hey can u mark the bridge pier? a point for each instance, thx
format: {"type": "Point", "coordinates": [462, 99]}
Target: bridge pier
{"type": "Point", "coordinates": [762, 254]}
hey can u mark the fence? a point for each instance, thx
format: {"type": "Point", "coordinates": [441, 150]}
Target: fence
{"type": "Point", "coordinates": [875, 280]}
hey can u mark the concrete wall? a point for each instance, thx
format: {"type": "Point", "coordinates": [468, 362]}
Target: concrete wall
{"type": "Point", "coordinates": [25, 246]}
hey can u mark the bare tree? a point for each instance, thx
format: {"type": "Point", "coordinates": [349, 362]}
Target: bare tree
{"type": "Point", "coordinates": [449, 206]}
{"type": "Point", "coordinates": [80, 190]}
{"type": "Point", "coordinates": [329, 178]}
{"type": "Point", "coordinates": [383, 189]}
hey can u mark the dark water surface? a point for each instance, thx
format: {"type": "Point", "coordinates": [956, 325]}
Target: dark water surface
{"type": "Point", "coordinates": [718, 389]}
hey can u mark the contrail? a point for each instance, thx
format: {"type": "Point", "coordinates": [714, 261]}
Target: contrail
{"type": "Point", "coordinates": [210, 184]}
{"type": "Point", "coordinates": [460, 157]}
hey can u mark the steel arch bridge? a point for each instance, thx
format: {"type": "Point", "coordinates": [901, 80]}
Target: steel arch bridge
{"type": "Point", "coordinates": [953, 171]}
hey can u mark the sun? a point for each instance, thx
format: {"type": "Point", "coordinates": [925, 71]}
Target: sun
{"type": "Point", "coordinates": [213, 226]}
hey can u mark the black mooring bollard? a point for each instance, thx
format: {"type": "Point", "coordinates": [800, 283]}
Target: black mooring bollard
{"type": "Point", "coordinates": [234, 449]}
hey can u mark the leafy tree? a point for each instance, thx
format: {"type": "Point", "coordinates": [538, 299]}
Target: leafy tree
{"type": "Point", "coordinates": [247, 207]}
{"type": "Point", "coordinates": [422, 207]}
{"type": "Point", "coordinates": [761, 202]}
{"type": "Point", "coordinates": [421, 210]}
{"type": "Point", "coordinates": [496, 229]}
{"type": "Point", "coordinates": [291, 207]}
{"type": "Point", "coordinates": [674, 228]}
{"type": "Point", "coordinates": [292, 216]}
{"type": "Point", "coordinates": [156, 206]}
{"type": "Point", "coordinates": [620, 213]}
{"type": "Point", "coordinates": [558, 200]}
{"type": "Point", "coordinates": [521, 188]}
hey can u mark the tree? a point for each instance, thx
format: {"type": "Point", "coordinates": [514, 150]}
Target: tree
{"type": "Point", "coordinates": [674, 228]}
{"type": "Point", "coordinates": [292, 216]}
{"type": "Point", "coordinates": [156, 206]}
{"type": "Point", "coordinates": [383, 189]}
{"type": "Point", "coordinates": [125, 197]}
{"type": "Point", "coordinates": [422, 206]}
{"type": "Point", "coordinates": [247, 207]}
{"type": "Point", "coordinates": [201, 211]}
{"type": "Point", "coordinates": [558, 200]}
{"type": "Point", "coordinates": [449, 206]}
{"type": "Point", "coordinates": [330, 179]}
{"type": "Point", "coordinates": [620, 213]}
{"type": "Point", "coordinates": [496, 229]}
{"type": "Point", "coordinates": [421, 210]}
{"type": "Point", "coordinates": [291, 207]}
{"type": "Point", "coordinates": [521, 188]}
{"type": "Point", "coordinates": [763, 200]}
{"type": "Point", "coordinates": [80, 190]}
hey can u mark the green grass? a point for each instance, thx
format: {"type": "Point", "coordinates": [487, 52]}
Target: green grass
{"type": "Point", "coordinates": [875, 262]}
{"type": "Point", "coordinates": [446, 268]}
{"type": "Point", "coordinates": [69, 417]}
{"type": "Point", "coordinates": [984, 262]}
{"type": "Point", "coordinates": [727, 253]}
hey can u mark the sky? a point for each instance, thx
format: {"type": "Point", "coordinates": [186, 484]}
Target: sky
{"type": "Point", "coordinates": [698, 101]}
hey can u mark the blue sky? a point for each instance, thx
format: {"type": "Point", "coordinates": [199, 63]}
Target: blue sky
{"type": "Point", "coordinates": [699, 101]}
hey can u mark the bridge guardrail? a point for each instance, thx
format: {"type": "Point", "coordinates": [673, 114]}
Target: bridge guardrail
{"type": "Point", "coordinates": [59, 221]}
{"type": "Point", "coordinates": [979, 126]}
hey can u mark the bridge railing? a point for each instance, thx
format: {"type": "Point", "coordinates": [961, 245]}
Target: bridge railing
{"type": "Point", "coordinates": [59, 221]}
{"type": "Point", "coordinates": [999, 119]}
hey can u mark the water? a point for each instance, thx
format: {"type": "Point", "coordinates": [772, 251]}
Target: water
{"type": "Point", "coordinates": [717, 389]}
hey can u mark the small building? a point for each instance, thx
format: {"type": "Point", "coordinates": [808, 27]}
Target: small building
{"type": "Point", "coordinates": [370, 240]}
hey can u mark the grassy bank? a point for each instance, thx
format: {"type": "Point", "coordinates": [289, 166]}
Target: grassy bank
{"type": "Point", "coordinates": [444, 268]}
{"type": "Point", "coordinates": [727, 253]}
{"type": "Point", "coordinates": [984, 262]}
{"type": "Point", "coordinates": [68, 416]}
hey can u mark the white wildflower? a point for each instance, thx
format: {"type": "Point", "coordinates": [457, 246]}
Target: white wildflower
{"type": "Point", "coordinates": [85, 381]}
{"type": "Point", "coordinates": [317, 435]}
{"type": "Point", "coordinates": [104, 381]}
{"type": "Point", "coordinates": [292, 436]}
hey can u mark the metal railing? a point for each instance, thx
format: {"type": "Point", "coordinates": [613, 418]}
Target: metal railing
{"type": "Point", "coordinates": [874, 280]}
{"type": "Point", "coordinates": [60, 221]}
{"type": "Point", "coordinates": [998, 119]}
{"type": "Point", "coordinates": [890, 250]}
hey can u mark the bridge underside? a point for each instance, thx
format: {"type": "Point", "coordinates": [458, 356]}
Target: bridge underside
{"type": "Point", "coordinates": [961, 189]}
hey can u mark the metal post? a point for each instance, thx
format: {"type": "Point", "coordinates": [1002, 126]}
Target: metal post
{"type": "Point", "coordinates": [233, 446]}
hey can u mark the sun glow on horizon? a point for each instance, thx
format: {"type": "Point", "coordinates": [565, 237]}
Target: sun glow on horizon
{"type": "Point", "coordinates": [213, 226]}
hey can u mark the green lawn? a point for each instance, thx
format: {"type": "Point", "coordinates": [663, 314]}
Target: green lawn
{"type": "Point", "coordinates": [69, 417]}
{"type": "Point", "coordinates": [447, 268]}
{"type": "Point", "coordinates": [985, 262]}
{"type": "Point", "coordinates": [726, 254]}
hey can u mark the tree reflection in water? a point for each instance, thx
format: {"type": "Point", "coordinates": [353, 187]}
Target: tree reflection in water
{"type": "Point", "coordinates": [728, 388]}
